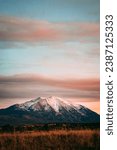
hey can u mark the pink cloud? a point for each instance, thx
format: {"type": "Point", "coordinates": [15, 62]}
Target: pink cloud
{"type": "Point", "coordinates": [17, 29]}
{"type": "Point", "coordinates": [80, 84]}
{"type": "Point", "coordinates": [27, 85]}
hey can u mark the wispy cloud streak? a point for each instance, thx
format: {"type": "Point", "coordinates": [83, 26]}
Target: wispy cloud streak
{"type": "Point", "coordinates": [17, 29]}
{"type": "Point", "coordinates": [80, 84]}
{"type": "Point", "coordinates": [20, 86]}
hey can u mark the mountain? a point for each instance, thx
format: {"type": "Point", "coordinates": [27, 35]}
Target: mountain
{"type": "Point", "coordinates": [47, 110]}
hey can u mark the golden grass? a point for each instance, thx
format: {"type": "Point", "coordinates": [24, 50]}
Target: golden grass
{"type": "Point", "coordinates": [51, 140]}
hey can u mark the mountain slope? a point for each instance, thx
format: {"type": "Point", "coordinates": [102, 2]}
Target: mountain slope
{"type": "Point", "coordinates": [47, 110]}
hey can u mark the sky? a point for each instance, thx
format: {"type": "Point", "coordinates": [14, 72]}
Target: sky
{"type": "Point", "coordinates": [49, 48]}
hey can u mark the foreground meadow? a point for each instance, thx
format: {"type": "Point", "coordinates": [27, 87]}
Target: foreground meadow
{"type": "Point", "coordinates": [51, 140]}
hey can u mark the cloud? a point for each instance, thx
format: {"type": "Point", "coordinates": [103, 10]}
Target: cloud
{"type": "Point", "coordinates": [27, 85]}
{"type": "Point", "coordinates": [80, 84]}
{"type": "Point", "coordinates": [25, 30]}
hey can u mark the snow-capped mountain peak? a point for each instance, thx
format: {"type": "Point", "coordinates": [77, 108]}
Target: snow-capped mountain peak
{"type": "Point", "coordinates": [51, 104]}
{"type": "Point", "coordinates": [48, 103]}
{"type": "Point", "coordinates": [48, 110]}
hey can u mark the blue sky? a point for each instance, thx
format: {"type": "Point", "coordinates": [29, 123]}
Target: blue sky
{"type": "Point", "coordinates": [52, 10]}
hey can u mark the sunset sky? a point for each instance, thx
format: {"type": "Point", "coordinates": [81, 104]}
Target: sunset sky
{"type": "Point", "coordinates": [49, 47]}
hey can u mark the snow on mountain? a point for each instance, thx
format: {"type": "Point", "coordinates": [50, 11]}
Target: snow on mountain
{"type": "Point", "coordinates": [48, 103]}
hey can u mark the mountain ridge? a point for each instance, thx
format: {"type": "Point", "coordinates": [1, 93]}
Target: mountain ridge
{"type": "Point", "coordinates": [47, 110]}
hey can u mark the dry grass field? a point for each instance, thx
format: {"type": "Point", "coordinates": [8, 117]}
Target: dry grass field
{"type": "Point", "coordinates": [51, 140]}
